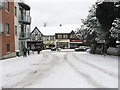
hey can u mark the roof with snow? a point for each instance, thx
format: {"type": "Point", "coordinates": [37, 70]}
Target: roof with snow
{"type": "Point", "coordinates": [60, 29]}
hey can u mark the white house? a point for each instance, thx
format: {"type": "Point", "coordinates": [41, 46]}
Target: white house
{"type": "Point", "coordinates": [22, 21]}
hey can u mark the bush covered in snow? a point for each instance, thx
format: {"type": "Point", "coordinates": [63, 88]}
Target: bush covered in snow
{"type": "Point", "coordinates": [113, 51]}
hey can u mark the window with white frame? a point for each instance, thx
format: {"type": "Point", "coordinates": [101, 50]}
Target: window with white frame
{"type": "Point", "coordinates": [7, 5]}
{"type": "Point", "coordinates": [65, 36]}
{"type": "Point", "coordinates": [1, 4]}
{"type": "Point", "coordinates": [59, 36]}
{"type": "Point", "coordinates": [7, 29]}
{"type": "Point", "coordinates": [1, 27]}
{"type": "Point", "coordinates": [51, 37]}
{"type": "Point", "coordinates": [72, 36]}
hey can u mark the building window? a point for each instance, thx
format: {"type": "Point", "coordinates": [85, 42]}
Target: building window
{"type": "Point", "coordinates": [7, 5]}
{"type": "Point", "coordinates": [8, 48]}
{"type": "Point", "coordinates": [1, 4]}
{"type": "Point", "coordinates": [15, 30]}
{"type": "Point", "coordinates": [72, 36]}
{"type": "Point", "coordinates": [7, 29]}
{"type": "Point", "coordinates": [39, 36]}
{"type": "Point", "coordinates": [51, 37]}
{"type": "Point", "coordinates": [59, 36]}
{"type": "Point", "coordinates": [15, 11]}
{"type": "Point", "coordinates": [65, 36]}
{"type": "Point", "coordinates": [48, 38]}
{"type": "Point", "coordinates": [33, 38]}
{"type": "Point", "coordinates": [1, 27]}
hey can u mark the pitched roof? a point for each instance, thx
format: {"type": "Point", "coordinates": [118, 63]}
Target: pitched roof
{"type": "Point", "coordinates": [60, 29]}
{"type": "Point", "coordinates": [36, 30]}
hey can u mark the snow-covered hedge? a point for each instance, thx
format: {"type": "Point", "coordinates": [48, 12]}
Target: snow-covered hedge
{"type": "Point", "coordinates": [113, 51]}
{"type": "Point", "coordinates": [110, 51]}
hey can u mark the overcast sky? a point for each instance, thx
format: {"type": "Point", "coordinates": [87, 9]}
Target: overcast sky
{"type": "Point", "coordinates": [56, 12]}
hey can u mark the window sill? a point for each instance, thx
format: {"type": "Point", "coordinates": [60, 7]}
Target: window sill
{"type": "Point", "coordinates": [8, 52]}
{"type": "Point", "coordinates": [7, 11]}
{"type": "Point", "coordinates": [8, 35]}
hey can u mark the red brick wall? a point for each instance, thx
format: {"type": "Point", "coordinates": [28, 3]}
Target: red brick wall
{"type": "Point", "coordinates": [8, 17]}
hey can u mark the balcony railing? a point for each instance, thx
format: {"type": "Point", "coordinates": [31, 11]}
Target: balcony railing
{"type": "Point", "coordinates": [24, 36]}
{"type": "Point", "coordinates": [25, 19]}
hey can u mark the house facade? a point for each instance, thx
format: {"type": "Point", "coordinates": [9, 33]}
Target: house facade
{"type": "Point", "coordinates": [67, 40]}
{"type": "Point", "coordinates": [48, 41]}
{"type": "Point", "coordinates": [22, 24]}
{"type": "Point", "coordinates": [15, 23]}
{"type": "Point", "coordinates": [36, 35]}
{"type": "Point", "coordinates": [74, 40]}
{"type": "Point", "coordinates": [62, 40]}
{"type": "Point", "coordinates": [7, 41]}
{"type": "Point", "coordinates": [36, 39]}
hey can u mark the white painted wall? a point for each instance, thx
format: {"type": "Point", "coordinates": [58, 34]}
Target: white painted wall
{"type": "Point", "coordinates": [16, 23]}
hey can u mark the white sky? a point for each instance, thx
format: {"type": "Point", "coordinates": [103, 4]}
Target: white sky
{"type": "Point", "coordinates": [56, 12]}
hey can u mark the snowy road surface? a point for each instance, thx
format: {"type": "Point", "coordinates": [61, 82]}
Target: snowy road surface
{"type": "Point", "coordinates": [65, 69]}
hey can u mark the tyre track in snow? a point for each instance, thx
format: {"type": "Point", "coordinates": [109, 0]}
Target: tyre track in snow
{"type": "Point", "coordinates": [39, 71]}
{"type": "Point", "coordinates": [96, 67]}
{"type": "Point", "coordinates": [83, 69]}
{"type": "Point", "coordinates": [88, 78]}
{"type": "Point", "coordinates": [47, 70]}
{"type": "Point", "coordinates": [46, 67]}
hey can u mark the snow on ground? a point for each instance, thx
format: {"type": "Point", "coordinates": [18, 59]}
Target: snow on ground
{"type": "Point", "coordinates": [63, 77]}
{"type": "Point", "coordinates": [97, 72]}
{"type": "Point", "coordinates": [17, 72]}
{"type": "Point", "coordinates": [64, 69]}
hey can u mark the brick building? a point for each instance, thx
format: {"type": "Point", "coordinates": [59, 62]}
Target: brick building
{"type": "Point", "coordinates": [7, 41]}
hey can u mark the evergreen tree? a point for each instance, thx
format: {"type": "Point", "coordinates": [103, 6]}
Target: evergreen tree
{"type": "Point", "coordinates": [102, 25]}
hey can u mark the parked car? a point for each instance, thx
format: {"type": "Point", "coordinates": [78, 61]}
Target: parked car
{"type": "Point", "coordinates": [82, 48]}
{"type": "Point", "coordinates": [53, 49]}
{"type": "Point", "coordinates": [88, 50]}
{"type": "Point", "coordinates": [59, 49]}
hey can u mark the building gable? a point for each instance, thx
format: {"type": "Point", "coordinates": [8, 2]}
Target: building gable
{"type": "Point", "coordinates": [72, 32]}
{"type": "Point", "coordinates": [36, 31]}
{"type": "Point", "coordinates": [36, 35]}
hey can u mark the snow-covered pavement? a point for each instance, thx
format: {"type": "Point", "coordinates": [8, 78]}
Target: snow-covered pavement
{"type": "Point", "coordinates": [65, 69]}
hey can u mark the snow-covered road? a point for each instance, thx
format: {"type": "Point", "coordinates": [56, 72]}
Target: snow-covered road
{"type": "Point", "coordinates": [65, 69]}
